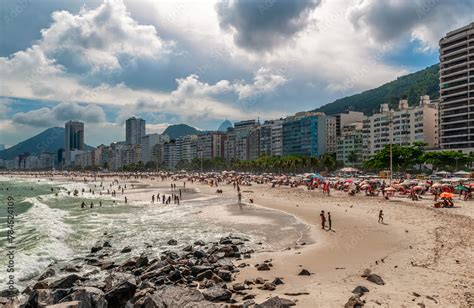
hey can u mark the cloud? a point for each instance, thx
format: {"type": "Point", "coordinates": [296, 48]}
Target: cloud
{"type": "Point", "coordinates": [57, 115]}
{"type": "Point", "coordinates": [264, 24]}
{"type": "Point", "coordinates": [424, 20]}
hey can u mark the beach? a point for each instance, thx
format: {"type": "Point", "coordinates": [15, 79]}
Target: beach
{"type": "Point", "coordinates": [421, 253]}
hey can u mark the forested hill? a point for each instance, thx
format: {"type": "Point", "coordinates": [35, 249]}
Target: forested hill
{"type": "Point", "coordinates": [409, 87]}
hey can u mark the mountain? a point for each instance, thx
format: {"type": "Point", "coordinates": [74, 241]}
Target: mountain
{"type": "Point", "coordinates": [49, 140]}
{"type": "Point", "coordinates": [180, 130]}
{"type": "Point", "coordinates": [224, 126]}
{"type": "Point", "coordinates": [409, 87]}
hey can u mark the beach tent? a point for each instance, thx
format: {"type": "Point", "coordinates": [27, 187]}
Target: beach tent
{"type": "Point", "coordinates": [444, 173]}
{"type": "Point", "coordinates": [446, 195]}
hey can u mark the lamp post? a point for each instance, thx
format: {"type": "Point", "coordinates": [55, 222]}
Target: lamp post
{"type": "Point", "coordinates": [389, 113]}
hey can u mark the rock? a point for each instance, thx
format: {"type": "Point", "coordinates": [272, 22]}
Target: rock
{"type": "Point", "coordinates": [126, 249]}
{"type": "Point", "coordinates": [72, 304]}
{"type": "Point", "coordinates": [64, 283]}
{"type": "Point", "coordinates": [269, 286]}
{"type": "Point", "coordinates": [106, 244]}
{"type": "Point", "coordinates": [174, 275]}
{"type": "Point", "coordinates": [248, 296]}
{"type": "Point", "coordinates": [105, 265]}
{"type": "Point", "coordinates": [238, 287]}
{"type": "Point", "coordinates": [277, 281]}
{"type": "Point", "coordinates": [40, 285]}
{"type": "Point", "coordinates": [199, 243]}
{"type": "Point", "coordinates": [96, 248]}
{"type": "Point", "coordinates": [141, 261]}
{"type": "Point", "coordinates": [263, 267]}
{"type": "Point", "coordinates": [207, 274]}
{"type": "Point", "coordinates": [259, 280]}
{"type": "Point", "coordinates": [216, 294]}
{"type": "Point", "coordinates": [88, 297]}
{"type": "Point", "coordinates": [199, 269]}
{"type": "Point", "coordinates": [304, 273]}
{"type": "Point", "coordinates": [172, 242]}
{"type": "Point", "coordinates": [276, 302]}
{"type": "Point", "coordinates": [175, 296]}
{"type": "Point", "coordinates": [366, 272]}
{"type": "Point", "coordinates": [360, 290]}
{"type": "Point", "coordinates": [48, 273]}
{"type": "Point", "coordinates": [199, 254]}
{"type": "Point", "coordinates": [354, 302]}
{"type": "Point", "coordinates": [120, 294]}
{"type": "Point", "coordinates": [248, 303]}
{"type": "Point", "coordinates": [225, 275]}
{"type": "Point", "coordinates": [188, 248]}
{"type": "Point", "coordinates": [375, 279]}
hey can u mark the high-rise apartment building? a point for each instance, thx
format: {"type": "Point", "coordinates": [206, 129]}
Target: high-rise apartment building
{"type": "Point", "coordinates": [349, 145]}
{"type": "Point", "coordinates": [134, 130]}
{"type": "Point", "coordinates": [73, 139]}
{"type": "Point", "coordinates": [403, 126]}
{"type": "Point", "coordinates": [347, 117]}
{"type": "Point", "coordinates": [457, 89]}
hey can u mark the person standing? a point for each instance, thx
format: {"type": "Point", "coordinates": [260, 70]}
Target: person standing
{"type": "Point", "coordinates": [329, 221]}
{"type": "Point", "coordinates": [323, 220]}
{"type": "Point", "coordinates": [152, 199]}
{"type": "Point", "coordinates": [381, 217]}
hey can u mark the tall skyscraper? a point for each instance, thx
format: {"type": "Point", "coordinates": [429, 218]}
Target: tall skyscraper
{"type": "Point", "coordinates": [73, 139]}
{"type": "Point", "coordinates": [456, 78]}
{"type": "Point", "coordinates": [134, 130]}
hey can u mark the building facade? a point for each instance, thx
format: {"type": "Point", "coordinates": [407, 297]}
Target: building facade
{"type": "Point", "coordinates": [457, 89]}
{"type": "Point", "coordinates": [73, 139]}
{"type": "Point", "coordinates": [134, 130]}
{"type": "Point", "coordinates": [349, 149]}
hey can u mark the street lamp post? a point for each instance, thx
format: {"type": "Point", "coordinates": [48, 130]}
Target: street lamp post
{"type": "Point", "coordinates": [391, 141]}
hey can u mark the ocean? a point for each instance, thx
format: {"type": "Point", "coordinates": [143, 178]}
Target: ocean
{"type": "Point", "coordinates": [51, 226]}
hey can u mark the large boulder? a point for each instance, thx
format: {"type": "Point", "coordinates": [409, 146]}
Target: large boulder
{"type": "Point", "coordinates": [216, 294]}
{"type": "Point", "coordinates": [354, 302]}
{"type": "Point", "coordinates": [65, 282]}
{"type": "Point", "coordinates": [120, 294]}
{"type": "Point", "coordinates": [360, 290]}
{"type": "Point", "coordinates": [89, 297]}
{"type": "Point", "coordinates": [276, 302]}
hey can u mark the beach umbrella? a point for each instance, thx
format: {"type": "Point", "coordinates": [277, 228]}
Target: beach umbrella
{"type": "Point", "coordinates": [436, 185]}
{"type": "Point", "coordinates": [442, 173]}
{"type": "Point", "coordinates": [462, 172]}
{"type": "Point", "coordinates": [348, 181]}
{"type": "Point", "coordinates": [461, 187]}
{"type": "Point", "coordinates": [418, 187]}
{"type": "Point", "coordinates": [446, 195]}
{"type": "Point", "coordinates": [389, 189]}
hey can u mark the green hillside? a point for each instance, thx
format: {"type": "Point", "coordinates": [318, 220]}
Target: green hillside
{"type": "Point", "coordinates": [409, 87]}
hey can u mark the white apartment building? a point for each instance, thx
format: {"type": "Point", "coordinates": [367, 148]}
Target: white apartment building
{"type": "Point", "coordinates": [403, 126]}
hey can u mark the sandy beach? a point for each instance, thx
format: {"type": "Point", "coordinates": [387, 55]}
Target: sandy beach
{"type": "Point", "coordinates": [421, 253]}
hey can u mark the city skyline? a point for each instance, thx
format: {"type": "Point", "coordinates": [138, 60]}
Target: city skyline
{"type": "Point", "coordinates": [164, 72]}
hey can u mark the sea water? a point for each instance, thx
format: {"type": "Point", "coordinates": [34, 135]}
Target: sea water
{"type": "Point", "coordinates": [51, 226]}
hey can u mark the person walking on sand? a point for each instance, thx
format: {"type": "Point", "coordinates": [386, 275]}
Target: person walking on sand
{"type": "Point", "coordinates": [152, 199]}
{"type": "Point", "coordinates": [329, 221]}
{"type": "Point", "coordinates": [239, 196]}
{"type": "Point", "coordinates": [381, 217]}
{"type": "Point", "coordinates": [126, 200]}
{"type": "Point", "coordinates": [323, 220]}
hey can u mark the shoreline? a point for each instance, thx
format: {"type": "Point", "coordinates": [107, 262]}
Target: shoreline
{"type": "Point", "coordinates": [421, 250]}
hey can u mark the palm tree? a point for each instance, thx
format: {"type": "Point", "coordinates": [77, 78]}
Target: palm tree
{"type": "Point", "coordinates": [352, 158]}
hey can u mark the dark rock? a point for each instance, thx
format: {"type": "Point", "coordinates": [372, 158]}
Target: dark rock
{"type": "Point", "coordinates": [106, 244]}
{"type": "Point", "coordinates": [65, 282]}
{"type": "Point", "coordinates": [268, 286]}
{"type": "Point", "coordinates": [199, 254]}
{"type": "Point", "coordinates": [48, 273]}
{"type": "Point", "coordinates": [277, 281]}
{"type": "Point", "coordinates": [199, 243]}
{"type": "Point", "coordinates": [375, 279]}
{"type": "Point", "coordinates": [354, 302]}
{"type": "Point", "coordinates": [259, 280]}
{"type": "Point", "coordinates": [142, 261]}
{"type": "Point", "coordinates": [263, 267]}
{"type": "Point", "coordinates": [360, 290]}
{"type": "Point", "coordinates": [40, 285]}
{"type": "Point", "coordinates": [199, 269]}
{"type": "Point", "coordinates": [96, 248]}
{"type": "Point", "coordinates": [225, 275]}
{"type": "Point", "coordinates": [174, 296]}
{"type": "Point", "coordinates": [207, 274]}
{"type": "Point", "coordinates": [172, 242]}
{"type": "Point", "coordinates": [120, 294]}
{"type": "Point", "coordinates": [366, 272]}
{"type": "Point", "coordinates": [216, 294]}
{"type": "Point", "coordinates": [304, 273]}
{"type": "Point", "coordinates": [88, 297]}
{"type": "Point", "coordinates": [126, 249]}
{"type": "Point", "coordinates": [174, 275]}
{"type": "Point", "coordinates": [105, 265]}
{"type": "Point", "coordinates": [238, 287]}
{"type": "Point", "coordinates": [276, 302]}
{"type": "Point", "coordinates": [188, 248]}
{"type": "Point", "coordinates": [9, 292]}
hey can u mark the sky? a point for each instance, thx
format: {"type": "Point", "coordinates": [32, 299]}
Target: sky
{"type": "Point", "coordinates": [202, 62]}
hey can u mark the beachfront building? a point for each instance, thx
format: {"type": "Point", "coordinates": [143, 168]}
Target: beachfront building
{"type": "Point", "coordinates": [253, 142]}
{"type": "Point", "coordinates": [403, 126]}
{"type": "Point", "coordinates": [348, 117]}
{"type": "Point", "coordinates": [229, 145]}
{"type": "Point", "coordinates": [309, 134]}
{"type": "Point", "coordinates": [148, 142]}
{"type": "Point", "coordinates": [349, 145]}
{"type": "Point", "coordinates": [457, 89]}
{"type": "Point", "coordinates": [271, 138]}
{"type": "Point", "coordinates": [135, 130]}
{"type": "Point", "coordinates": [210, 145]}
{"type": "Point", "coordinates": [73, 139]}
{"type": "Point", "coordinates": [242, 130]}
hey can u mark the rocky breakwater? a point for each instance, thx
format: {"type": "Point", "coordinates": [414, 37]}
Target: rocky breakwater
{"type": "Point", "coordinates": [197, 275]}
